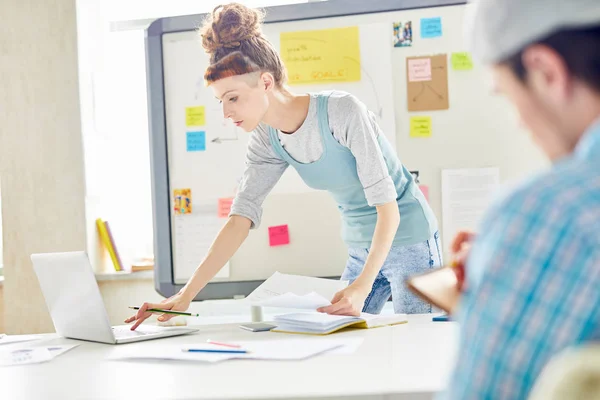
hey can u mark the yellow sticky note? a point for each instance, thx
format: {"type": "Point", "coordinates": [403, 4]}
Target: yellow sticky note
{"type": "Point", "coordinates": [462, 62]}
{"type": "Point", "coordinates": [420, 127]}
{"type": "Point", "coordinates": [328, 55]}
{"type": "Point", "coordinates": [194, 116]}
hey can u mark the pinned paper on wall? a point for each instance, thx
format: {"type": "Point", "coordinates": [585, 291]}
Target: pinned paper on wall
{"type": "Point", "coordinates": [320, 56]}
{"type": "Point", "coordinates": [432, 94]}
{"type": "Point", "coordinates": [279, 235]}
{"type": "Point", "coordinates": [431, 27]}
{"type": "Point", "coordinates": [425, 191]}
{"type": "Point", "coordinates": [420, 127]}
{"type": "Point", "coordinates": [182, 201]}
{"type": "Point", "coordinates": [195, 116]}
{"type": "Point", "coordinates": [419, 70]}
{"type": "Point", "coordinates": [224, 207]}
{"type": "Point", "coordinates": [402, 34]}
{"type": "Point", "coordinates": [194, 235]}
{"type": "Point", "coordinates": [462, 61]}
{"type": "Point", "coordinates": [196, 141]}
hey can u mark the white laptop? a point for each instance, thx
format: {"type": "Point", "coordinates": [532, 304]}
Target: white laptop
{"type": "Point", "coordinates": [75, 303]}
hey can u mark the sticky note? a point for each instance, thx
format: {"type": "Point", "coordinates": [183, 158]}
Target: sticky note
{"type": "Point", "coordinates": [196, 141]}
{"type": "Point", "coordinates": [420, 127]}
{"type": "Point", "coordinates": [425, 190]}
{"type": "Point", "coordinates": [278, 235]}
{"type": "Point", "coordinates": [462, 62]}
{"type": "Point", "coordinates": [431, 27]}
{"type": "Point", "coordinates": [182, 201]}
{"type": "Point", "coordinates": [224, 207]}
{"type": "Point", "coordinates": [320, 56]}
{"type": "Point", "coordinates": [419, 69]}
{"type": "Point", "coordinates": [195, 116]}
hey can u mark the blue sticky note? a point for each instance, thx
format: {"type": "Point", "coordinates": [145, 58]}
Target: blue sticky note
{"type": "Point", "coordinates": [431, 27]}
{"type": "Point", "coordinates": [196, 141]}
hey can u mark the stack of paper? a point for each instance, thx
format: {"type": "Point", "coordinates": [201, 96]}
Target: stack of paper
{"type": "Point", "coordinates": [323, 324]}
{"type": "Point", "coordinates": [295, 291]}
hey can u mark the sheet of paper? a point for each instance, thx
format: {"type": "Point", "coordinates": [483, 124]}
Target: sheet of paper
{"type": "Point", "coordinates": [419, 69]}
{"type": "Point", "coordinates": [431, 27]}
{"type": "Point", "coordinates": [310, 301]}
{"type": "Point", "coordinates": [195, 116]}
{"type": "Point", "coordinates": [24, 356]}
{"type": "Point", "coordinates": [279, 235]}
{"type": "Point", "coordinates": [8, 339]}
{"type": "Point", "coordinates": [196, 141]}
{"type": "Point", "coordinates": [427, 94]}
{"type": "Point", "coordinates": [60, 349]}
{"type": "Point", "coordinates": [193, 235]}
{"type": "Point", "coordinates": [462, 61]}
{"type": "Point", "coordinates": [328, 55]}
{"type": "Point", "coordinates": [32, 355]}
{"type": "Point", "coordinates": [285, 349]}
{"type": "Point", "coordinates": [350, 346]}
{"type": "Point", "coordinates": [279, 284]}
{"type": "Point", "coordinates": [466, 194]}
{"type": "Point", "coordinates": [420, 127]}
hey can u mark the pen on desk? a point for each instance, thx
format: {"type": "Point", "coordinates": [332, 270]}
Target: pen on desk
{"type": "Point", "coordinates": [235, 346]}
{"type": "Point", "coordinates": [156, 310]}
{"type": "Point", "coordinates": [224, 351]}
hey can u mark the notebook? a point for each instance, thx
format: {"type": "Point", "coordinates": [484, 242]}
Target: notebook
{"type": "Point", "coordinates": [311, 323]}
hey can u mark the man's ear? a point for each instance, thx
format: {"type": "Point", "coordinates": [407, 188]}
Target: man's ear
{"type": "Point", "coordinates": [545, 66]}
{"type": "Point", "coordinates": [267, 81]}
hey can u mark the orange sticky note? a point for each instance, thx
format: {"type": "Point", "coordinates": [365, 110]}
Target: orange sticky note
{"type": "Point", "coordinates": [425, 190]}
{"type": "Point", "coordinates": [279, 235]}
{"type": "Point", "coordinates": [224, 207]}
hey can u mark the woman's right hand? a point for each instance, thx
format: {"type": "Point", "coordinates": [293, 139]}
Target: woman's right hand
{"type": "Point", "coordinates": [178, 302]}
{"type": "Point", "coordinates": [460, 247]}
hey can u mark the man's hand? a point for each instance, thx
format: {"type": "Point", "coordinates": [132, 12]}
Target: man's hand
{"type": "Point", "coordinates": [460, 247]}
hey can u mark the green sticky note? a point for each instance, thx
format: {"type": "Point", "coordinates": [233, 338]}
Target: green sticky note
{"type": "Point", "coordinates": [420, 127]}
{"type": "Point", "coordinates": [462, 62]}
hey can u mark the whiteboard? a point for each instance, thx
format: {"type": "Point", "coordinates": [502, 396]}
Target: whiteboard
{"type": "Point", "coordinates": [478, 130]}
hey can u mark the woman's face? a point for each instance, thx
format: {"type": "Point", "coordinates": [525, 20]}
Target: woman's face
{"type": "Point", "coordinates": [244, 99]}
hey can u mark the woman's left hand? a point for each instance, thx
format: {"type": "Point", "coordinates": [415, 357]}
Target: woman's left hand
{"type": "Point", "coordinates": [349, 301]}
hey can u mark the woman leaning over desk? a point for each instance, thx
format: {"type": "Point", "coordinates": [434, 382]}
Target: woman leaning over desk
{"type": "Point", "coordinates": [335, 144]}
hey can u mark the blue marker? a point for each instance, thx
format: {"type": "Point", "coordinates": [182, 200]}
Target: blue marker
{"type": "Point", "coordinates": [225, 351]}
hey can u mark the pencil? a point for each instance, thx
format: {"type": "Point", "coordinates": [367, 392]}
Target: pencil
{"type": "Point", "coordinates": [156, 310]}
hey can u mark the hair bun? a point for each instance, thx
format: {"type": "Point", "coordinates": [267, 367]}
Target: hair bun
{"type": "Point", "coordinates": [229, 25]}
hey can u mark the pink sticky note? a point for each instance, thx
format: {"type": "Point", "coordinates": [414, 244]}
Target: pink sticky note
{"type": "Point", "coordinates": [279, 235]}
{"type": "Point", "coordinates": [224, 207]}
{"type": "Point", "coordinates": [425, 190]}
{"type": "Point", "coordinates": [419, 69]}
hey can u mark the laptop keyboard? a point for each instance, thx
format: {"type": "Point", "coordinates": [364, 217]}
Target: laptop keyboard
{"type": "Point", "coordinates": [122, 333]}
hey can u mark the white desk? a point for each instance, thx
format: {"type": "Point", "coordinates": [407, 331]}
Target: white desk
{"type": "Point", "coordinates": [410, 361]}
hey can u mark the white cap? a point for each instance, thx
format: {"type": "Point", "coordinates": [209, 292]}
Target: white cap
{"type": "Point", "coordinates": [499, 29]}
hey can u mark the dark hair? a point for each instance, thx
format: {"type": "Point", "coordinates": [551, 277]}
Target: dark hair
{"type": "Point", "coordinates": [235, 28]}
{"type": "Point", "coordinates": [580, 48]}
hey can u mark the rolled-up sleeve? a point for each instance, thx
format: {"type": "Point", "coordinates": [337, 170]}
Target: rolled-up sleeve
{"type": "Point", "coordinates": [263, 170]}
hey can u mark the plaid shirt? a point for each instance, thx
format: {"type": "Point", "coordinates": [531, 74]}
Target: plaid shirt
{"type": "Point", "coordinates": [533, 279]}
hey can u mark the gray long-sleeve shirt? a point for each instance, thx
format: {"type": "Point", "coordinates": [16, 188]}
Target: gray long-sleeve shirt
{"type": "Point", "coordinates": [351, 124]}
